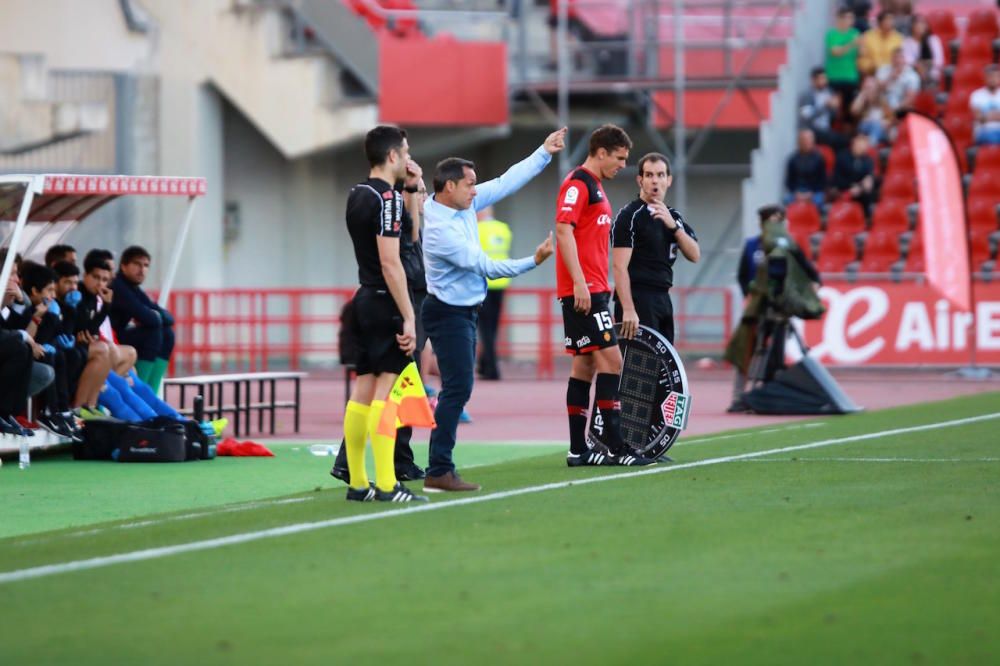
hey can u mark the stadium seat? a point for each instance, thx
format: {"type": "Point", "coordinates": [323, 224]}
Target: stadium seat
{"type": "Point", "coordinates": [960, 128]}
{"type": "Point", "coordinates": [980, 248]}
{"type": "Point", "coordinates": [975, 50]}
{"type": "Point", "coordinates": [988, 158]}
{"type": "Point", "coordinates": [900, 159]}
{"type": "Point", "coordinates": [880, 253]}
{"type": "Point", "coordinates": [968, 76]}
{"type": "Point", "coordinates": [943, 25]}
{"type": "Point", "coordinates": [803, 217]}
{"type": "Point", "coordinates": [829, 157]}
{"type": "Point", "coordinates": [890, 216]}
{"type": "Point", "coordinates": [985, 184]}
{"type": "Point", "coordinates": [915, 255]}
{"type": "Point", "coordinates": [982, 212]}
{"type": "Point", "coordinates": [804, 241]}
{"type": "Point", "coordinates": [836, 251]}
{"type": "Point", "coordinates": [926, 102]}
{"type": "Point", "coordinates": [846, 216]}
{"type": "Point", "coordinates": [958, 103]}
{"type": "Point", "coordinates": [899, 186]}
{"type": "Point", "coordinates": [903, 132]}
{"type": "Point", "coordinates": [982, 22]}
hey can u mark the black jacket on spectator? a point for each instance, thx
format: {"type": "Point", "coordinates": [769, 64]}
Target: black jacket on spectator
{"type": "Point", "coordinates": [851, 170]}
{"type": "Point", "coordinates": [132, 305]}
{"type": "Point", "coordinates": [806, 172]}
{"type": "Point", "coordinates": [18, 315]}
{"type": "Point", "coordinates": [88, 317]}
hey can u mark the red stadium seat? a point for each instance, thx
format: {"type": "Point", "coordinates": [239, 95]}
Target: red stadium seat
{"type": "Point", "coordinates": [881, 252]}
{"type": "Point", "coordinates": [960, 128]}
{"type": "Point", "coordinates": [915, 255]}
{"type": "Point", "coordinates": [968, 75]}
{"type": "Point", "coordinates": [846, 216]}
{"type": "Point", "coordinates": [975, 50]}
{"type": "Point", "coordinates": [979, 248]}
{"type": "Point", "coordinates": [836, 251]}
{"type": "Point", "coordinates": [926, 102]}
{"type": "Point", "coordinates": [803, 240]}
{"type": "Point", "coordinates": [957, 103]}
{"type": "Point", "coordinates": [988, 158]}
{"type": "Point", "coordinates": [903, 132]}
{"type": "Point", "coordinates": [983, 22]}
{"type": "Point", "coordinates": [900, 159]}
{"type": "Point", "coordinates": [829, 157]}
{"type": "Point", "coordinates": [899, 186]}
{"type": "Point", "coordinates": [803, 217]}
{"type": "Point", "coordinates": [985, 184]}
{"type": "Point", "coordinates": [982, 212]}
{"type": "Point", "coordinates": [943, 25]}
{"type": "Point", "coordinates": [890, 216]}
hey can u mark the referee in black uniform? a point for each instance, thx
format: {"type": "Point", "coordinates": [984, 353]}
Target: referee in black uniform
{"type": "Point", "coordinates": [646, 237]}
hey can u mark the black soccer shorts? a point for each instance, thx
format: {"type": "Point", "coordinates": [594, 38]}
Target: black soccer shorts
{"type": "Point", "coordinates": [377, 321]}
{"type": "Point", "coordinates": [587, 333]}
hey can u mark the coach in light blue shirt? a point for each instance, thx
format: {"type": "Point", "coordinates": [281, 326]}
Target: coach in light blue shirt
{"type": "Point", "coordinates": [457, 270]}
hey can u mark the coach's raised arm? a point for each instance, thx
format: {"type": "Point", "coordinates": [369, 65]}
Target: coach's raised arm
{"type": "Point", "coordinates": [456, 269]}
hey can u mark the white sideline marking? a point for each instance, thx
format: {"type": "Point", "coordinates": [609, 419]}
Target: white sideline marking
{"type": "Point", "coordinates": [297, 528]}
{"type": "Point", "coordinates": [877, 460]}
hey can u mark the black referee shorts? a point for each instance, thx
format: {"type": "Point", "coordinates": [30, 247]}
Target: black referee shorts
{"type": "Point", "coordinates": [591, 331]}
{"type": "Point", "coordinates": [654, 309]}
{"type": "Point", "coordinates": [377, 321]}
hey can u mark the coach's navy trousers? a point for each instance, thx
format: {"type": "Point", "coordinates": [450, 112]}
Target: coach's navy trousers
{"type": "Point", "coordinates": [452, 332]}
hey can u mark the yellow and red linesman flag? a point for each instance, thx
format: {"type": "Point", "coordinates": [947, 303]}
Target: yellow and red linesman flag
{"type": "Point", "coordinates": [407, 404]}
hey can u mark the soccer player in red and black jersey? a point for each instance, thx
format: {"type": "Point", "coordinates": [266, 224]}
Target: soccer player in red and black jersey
{"type": "Point", "coordinates": [583, 227]}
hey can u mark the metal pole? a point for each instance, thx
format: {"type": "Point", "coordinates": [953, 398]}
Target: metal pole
{"type": "Point", "coordinates": [175, 256]}
{"type": "Point", "coordinates": [30, 185]}
{"type": "Point", "coordinates": [680, 130]}
{"type": "Point", "coordinates": [522, 44]}
{"type": "Point", "coordinates": [562, 77]}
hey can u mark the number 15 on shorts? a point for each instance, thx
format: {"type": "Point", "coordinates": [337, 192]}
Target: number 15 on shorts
{"type": "Point", "coordinates": [604, 322]}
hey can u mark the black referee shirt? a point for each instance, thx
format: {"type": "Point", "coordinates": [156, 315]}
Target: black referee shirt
{"type": "Point", "coordinates": [373, 209]}
{"type": "Point", "coordinates": [654, 247]}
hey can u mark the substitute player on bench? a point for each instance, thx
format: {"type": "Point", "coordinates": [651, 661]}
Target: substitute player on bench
{"type": "Point", "coordinates": [384, 313]}
{"type": "Point", "coordinates": [646, 237]}
{"type": "Point", "coordinates": [583, 225]}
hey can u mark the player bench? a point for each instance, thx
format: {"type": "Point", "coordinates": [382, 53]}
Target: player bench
{"type": "Point", "coordinates": [214, 389]}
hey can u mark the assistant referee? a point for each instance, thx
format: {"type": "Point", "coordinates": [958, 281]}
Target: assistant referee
{"type": "Point", "coordinates": [646, 237]}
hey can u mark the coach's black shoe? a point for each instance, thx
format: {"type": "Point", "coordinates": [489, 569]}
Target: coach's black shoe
{"type": "Point", "coordinates": [596, 456]}
{"type": "Point", "coordinates": [341, 473]}
{"type": "Point", "coordinates": [398, 494]}
{"type": "Point", "coordinates": [362, 494]}
{"type": "Point", "coordinates": [409, 472]}
{"type": "Point", "coordinates": [626, 457]}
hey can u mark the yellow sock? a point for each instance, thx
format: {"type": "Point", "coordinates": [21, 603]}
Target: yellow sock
{"type": "Point", "coordinates": [355, 429]}
{"type": "Point", "coordinates": [383, 446]}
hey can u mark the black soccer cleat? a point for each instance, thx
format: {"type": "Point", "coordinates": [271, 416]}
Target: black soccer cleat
{"type": "Point", "coordinates": [629, 458]}
{"type": "Point", "coordinates": [595, 457]}
{"type": "Point", "coordinates": [399, 493]}
{"type": "Point", "coordinates": [362, 494]}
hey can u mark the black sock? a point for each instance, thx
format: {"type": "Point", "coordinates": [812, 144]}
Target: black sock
{"type": "Point", "coordinates": [606, 399]}
{"type": "Point", "coordinates": [577, 401]}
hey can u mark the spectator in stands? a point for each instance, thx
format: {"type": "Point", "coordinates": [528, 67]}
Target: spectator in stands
{"type": "Point", "coordinates": [138, 321]}
{"type": "Point", "coordinates": [924, 51]}
{"type": "Point", "coordinates": [842, 44]}
{"type": "Point", "coordinates": [900, 82]}
{"type": "Point", "coordinates": [805, 174]}
{"type": "Point", "coordinates": [902, 13]}
{"type": "Point", "coordinates": [878, 44]}
{"type": "Point", "coordinates": [854, 172]}
{"type": "Point", "coordinates": [58, 253]}
{"type": "Point", "coordinates": [985, 105]}
{"type": "Point", "coordinates": [870, 111]}
{"type": "Point", "coordinates": [818, 108]}
{"type": "Point", "coordinates": [860, 9]}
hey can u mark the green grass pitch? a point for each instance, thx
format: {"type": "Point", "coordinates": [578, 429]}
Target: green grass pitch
{"type": "Point", "coordinates": [867, 548]}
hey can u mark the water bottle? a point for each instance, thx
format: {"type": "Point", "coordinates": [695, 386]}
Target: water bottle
{"type": "Point", "coordinates": [24, 454]}
{"type": "Point", "coordinates": [324, 450]}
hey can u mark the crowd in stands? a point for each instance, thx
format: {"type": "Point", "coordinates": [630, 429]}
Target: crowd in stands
{"type": "Point", "coordinates": [851, 181]}
{"type": "Point", "coordinates": [84, 344]}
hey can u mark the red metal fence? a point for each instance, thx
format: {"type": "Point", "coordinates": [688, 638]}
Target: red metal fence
{"type": "Point", "coordinates": [258, 329]}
